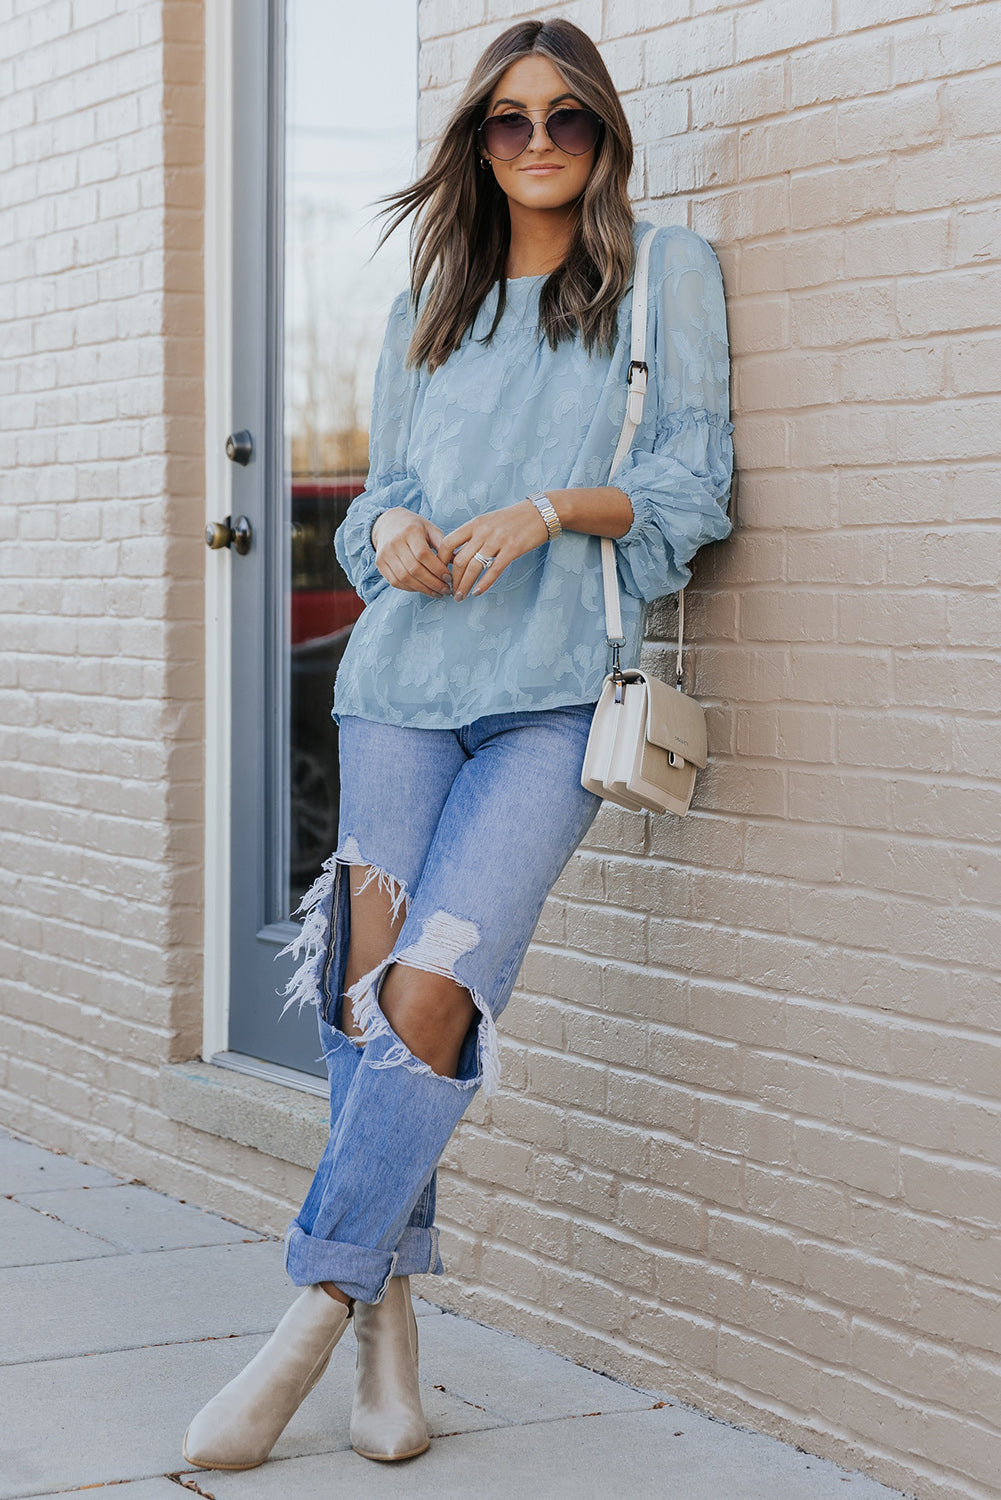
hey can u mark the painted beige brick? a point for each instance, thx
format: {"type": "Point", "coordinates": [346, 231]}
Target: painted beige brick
{"type": "Point", "coordinates": [567, 1080]}
{"type": "Point", "coordinates": [807, 140]}
{"type": "Point", "coordinates": [566, 1183]}
{"type": "Point", "coordinates": [709, 1177]}
{"type": "Point", "coordinates": [952, 1189]}
{"type": "Point", "coordinates": [744, 1129]}
{"type": "Point", "coordinates": [957, 1312]}
{"type": "Point", "coordinates": [909, 118]}
{"type": "Point", "coordinates": [518, 1223]}
{"type": "Point", "coordinates": [517, 1271]}
{"type": "Point", "coordinates": [531, 1120]}
{"type": "Point", "coordinates": [487, 1157]}
{"type": "Point", "coordinates": [693, 1281]}
{"type": "Point", "coordinates": [655, 1102]}
{"type": "Point", "coordinates": [766, 1370]}
{"type": "Point", "coordinates": [613, 1146]}
{"type": "Point", "coordinates": [798, 1322]}
{"type": "Point", "coordinates": [760, 1249]}
{"type": "Point", "coordinates": [663, 1217]}
{"type": "Point", "coordinates": [613, 1259]}
{"type": "Point", "coordinates": [601, 1036]}
{"type": "Point", "coordinates": [562, 1290]}
{"type": "Point", "coordinates": [674, 1334]}
{"type": "Point", "coordinates": [842, 1156]}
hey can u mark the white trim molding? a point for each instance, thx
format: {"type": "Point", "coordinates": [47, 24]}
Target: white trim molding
{"type": "Point", "coordinates": [218, 617]}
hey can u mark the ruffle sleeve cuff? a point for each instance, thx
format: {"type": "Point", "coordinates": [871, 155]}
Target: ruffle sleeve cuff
{"type": "Point", "coordinates": [353, 538]}
{"type": "Point", "coordinates": [678, 493]}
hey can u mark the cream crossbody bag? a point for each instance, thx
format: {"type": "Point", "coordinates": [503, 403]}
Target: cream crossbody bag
{"type": "Point", "coordinates": [647, 738]}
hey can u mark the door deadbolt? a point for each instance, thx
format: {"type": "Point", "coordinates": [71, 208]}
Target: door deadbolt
{"type": "Point", "coordinates": [237, 534]}
{"type": "Point", "coordinates": [240, 447]}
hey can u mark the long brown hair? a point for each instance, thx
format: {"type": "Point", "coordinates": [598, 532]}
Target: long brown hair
{"type": "Point", "coordinates": [461, 233]}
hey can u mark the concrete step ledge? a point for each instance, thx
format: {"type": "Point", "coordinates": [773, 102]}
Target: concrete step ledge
{"type": "Point", "coordinates": [281, 1122]}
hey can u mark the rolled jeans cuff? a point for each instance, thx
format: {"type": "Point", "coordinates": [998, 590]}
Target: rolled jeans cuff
{"type": "Point", "coordinates": [358, 1271]}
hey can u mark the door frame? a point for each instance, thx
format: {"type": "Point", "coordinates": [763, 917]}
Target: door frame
{"type": "Point", "coordinates": [223, 48]}
{"type": "Point", "coordinates": [221, 666]}
{"type": "Point", "coordinates": [218, 298]}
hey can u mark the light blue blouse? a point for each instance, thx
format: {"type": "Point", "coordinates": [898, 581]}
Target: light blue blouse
{"type": "Point", "coordinates": [498, 421]}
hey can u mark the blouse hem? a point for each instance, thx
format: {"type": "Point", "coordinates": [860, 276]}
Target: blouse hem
{"type": "Point", "coordinates": [426, 721]}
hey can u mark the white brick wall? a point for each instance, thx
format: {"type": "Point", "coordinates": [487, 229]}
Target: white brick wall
{"type": "Point", "coordinates": [101, 594]}
{"type": "Point", "coordinates": [750, 1144]}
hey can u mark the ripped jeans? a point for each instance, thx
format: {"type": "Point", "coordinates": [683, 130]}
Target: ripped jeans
{"type": "Point", "coordinates": [467, 829]}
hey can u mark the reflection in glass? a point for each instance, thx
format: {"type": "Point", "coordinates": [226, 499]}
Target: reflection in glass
{"type": "Point", "coordinates": [350, 137]}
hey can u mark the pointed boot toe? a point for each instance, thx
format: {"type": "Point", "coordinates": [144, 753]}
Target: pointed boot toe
{"type": "Point", "coordinates": [387, 1419]}
{"type": "Point", "coordinates": [238, 1428]}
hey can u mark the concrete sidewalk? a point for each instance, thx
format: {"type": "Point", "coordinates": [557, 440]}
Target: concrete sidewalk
{"type": "Point", "coordinates": [122, 1310]}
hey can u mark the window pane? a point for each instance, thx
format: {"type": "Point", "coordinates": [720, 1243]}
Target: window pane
{"type": "Point", "coordinates": [351, 112]}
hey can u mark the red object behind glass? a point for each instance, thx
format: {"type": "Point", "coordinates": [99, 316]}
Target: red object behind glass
{"type": "Point", "coordinates": [323, 602]}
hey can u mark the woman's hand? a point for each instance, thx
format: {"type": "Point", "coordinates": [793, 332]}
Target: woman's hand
{"type": "Point", "coordinates": [407, 548]}
{"type": "Point", "coordinates": [501, 534]}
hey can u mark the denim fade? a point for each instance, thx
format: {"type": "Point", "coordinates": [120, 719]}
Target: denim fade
{"type": "Point", "coordinates": [467, 830]}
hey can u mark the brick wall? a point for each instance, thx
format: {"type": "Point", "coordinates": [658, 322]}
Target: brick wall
{"type": "Point", "coordinates": [750, 1140]}
{"type": "Point", "coordinates": [101, 593]}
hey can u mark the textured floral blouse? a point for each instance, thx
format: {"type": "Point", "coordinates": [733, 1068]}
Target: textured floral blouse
{"type": "Point", "coordinates": [498, 421]}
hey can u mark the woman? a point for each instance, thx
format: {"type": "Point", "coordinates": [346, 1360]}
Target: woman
{"type": "Point", "coordinates": [466, 692]}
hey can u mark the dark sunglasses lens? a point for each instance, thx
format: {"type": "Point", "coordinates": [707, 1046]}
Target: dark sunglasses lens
{"type": "Point", "coordinates": [506, 136]}
{"type": "Point", "coordinates": [574, 131]}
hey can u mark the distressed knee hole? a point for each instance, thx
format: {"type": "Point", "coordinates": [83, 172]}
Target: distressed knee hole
{"type": "Point", "coordinates": [315, 936]}
{"type": "Point", "coordinates": [443, 941]}
{"type": "Point", "coordinates": [396, 890]}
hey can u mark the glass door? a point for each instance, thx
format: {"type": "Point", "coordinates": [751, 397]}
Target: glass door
{"type": "Point", "coordinates": [326, 106]}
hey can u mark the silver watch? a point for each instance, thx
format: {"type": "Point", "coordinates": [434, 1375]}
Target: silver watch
{"type": "Point", "coordinates": [547, 511]}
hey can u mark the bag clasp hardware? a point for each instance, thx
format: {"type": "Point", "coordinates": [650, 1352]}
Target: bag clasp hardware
{"type": "Point", "coordinates": [617, 676]}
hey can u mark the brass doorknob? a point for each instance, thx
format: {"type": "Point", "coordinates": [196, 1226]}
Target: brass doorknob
{"type": "Point", "coordinates": [237, 534]}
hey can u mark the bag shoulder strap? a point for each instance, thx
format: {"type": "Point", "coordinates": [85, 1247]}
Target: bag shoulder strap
{"type": "Point", "coordinates": [636, 386]}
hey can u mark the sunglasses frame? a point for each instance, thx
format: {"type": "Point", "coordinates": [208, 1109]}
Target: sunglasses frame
{"type": "Point", "coordinates": [599, 125]}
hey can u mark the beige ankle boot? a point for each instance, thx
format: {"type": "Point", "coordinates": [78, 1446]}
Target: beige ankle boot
{"type": "Point", "coordinates": [239, 1427]}
{"type": "Point", "coordinates": [387, 1421]}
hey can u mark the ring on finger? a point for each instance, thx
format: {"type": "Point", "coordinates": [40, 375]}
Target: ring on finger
{"type": "Point", "coordinates": [485, 562]}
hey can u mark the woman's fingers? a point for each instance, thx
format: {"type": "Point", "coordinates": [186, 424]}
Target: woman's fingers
{"type": "Point", "coordinates": [404, 569]}
{"type": "Point", "coordinates": [414, 573]}
{"type": "Point", "coordinates": [428, 553]}
{"type": "Point", "coordinates": [467, 570]}
{"type": "Point", "coordinates": [421, 555]}
{"type": "Point", "coordinates": [476, 579]}
{"type": "Point", "coordinates": [427, 564]}
{"type": "Point", "coordinates": [406, 556]}
{"type": "Point", "coordinates": [489, 576]}
{"type": "Point", "coordinates": [463, 562]}
{"type": "Point", "coordinates": [450, 544]}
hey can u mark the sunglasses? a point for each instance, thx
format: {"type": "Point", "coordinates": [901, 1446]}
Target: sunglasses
{"type": "Point", "coordinates": [506, 136]}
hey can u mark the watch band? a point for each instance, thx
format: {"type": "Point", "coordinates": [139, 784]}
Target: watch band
{"type": "Point", "coordinates": [547, 511]}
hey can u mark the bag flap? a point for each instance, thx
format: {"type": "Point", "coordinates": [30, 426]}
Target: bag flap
{"type": "Point", "coordinates": [674, 721]}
